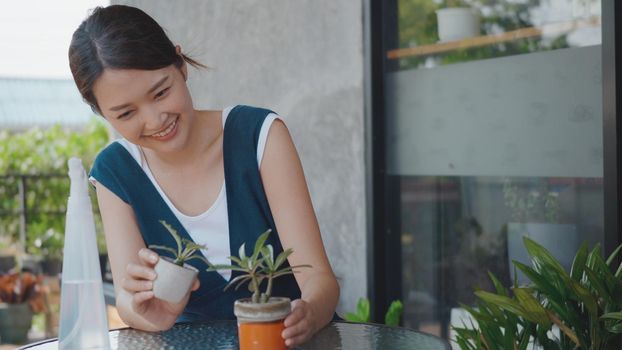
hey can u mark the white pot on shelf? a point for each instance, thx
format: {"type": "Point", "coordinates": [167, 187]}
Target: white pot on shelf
{"type": "Point", "coordinates": [456, 23]}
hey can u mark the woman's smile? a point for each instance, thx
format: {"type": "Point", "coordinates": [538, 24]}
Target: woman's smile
{"type": "Point", "coordinates": [168, 133]}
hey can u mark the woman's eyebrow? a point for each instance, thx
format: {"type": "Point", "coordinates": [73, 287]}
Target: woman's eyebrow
{"type": "Point", "coordinates": [157, 85]}
{"type": "Point", "coordinates": [153, 88]}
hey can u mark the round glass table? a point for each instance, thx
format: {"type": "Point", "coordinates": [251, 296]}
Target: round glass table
{"type": "Point", "coordinates": [223, 335]}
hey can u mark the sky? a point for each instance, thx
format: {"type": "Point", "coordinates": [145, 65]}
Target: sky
{"type": "Point", "coordinates": [35, 36]}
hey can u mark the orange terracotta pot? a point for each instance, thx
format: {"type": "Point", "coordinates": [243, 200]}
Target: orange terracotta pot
{"type": "Point", "coordinates": [261, 335]}
{"type": "Point", "coordinates": [260, 325]}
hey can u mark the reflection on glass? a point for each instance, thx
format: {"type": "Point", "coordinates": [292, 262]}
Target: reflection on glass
{"type": "Point", "coordinates": [505, 28]}
{"type": "Point", "coordinates": [456, 229]}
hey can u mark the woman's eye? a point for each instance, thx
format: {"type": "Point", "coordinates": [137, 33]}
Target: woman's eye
{"type": "Point", "coordinates": [126, 114]}
{"type": "Point", "coordinates": [161, 93]}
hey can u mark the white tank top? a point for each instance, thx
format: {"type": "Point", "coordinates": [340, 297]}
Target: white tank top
{"type": "Point", "coordinates": [211, 227]}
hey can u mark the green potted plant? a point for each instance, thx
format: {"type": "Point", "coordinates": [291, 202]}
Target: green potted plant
{"type": "Point", "coordinates": [174, 276]}
{"type": "Point", "coordinates": [260, 318]}
{"type": "Point", "coordinates": [362, 314]}
{"type": "Point", "coordinates": [535, 210]}
{"type": "Point", "coordinates": [21, 295]}
{"type": "Point", "coordinates": [583, 304]}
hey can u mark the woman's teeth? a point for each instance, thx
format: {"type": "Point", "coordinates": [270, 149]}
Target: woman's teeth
{"type": "Point", "coordinates": [167, 131]}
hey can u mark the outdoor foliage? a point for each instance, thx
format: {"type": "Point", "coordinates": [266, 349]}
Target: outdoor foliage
{"type": "Point", "coordinates": [585, 304]}
{"type": "Point", "coordinates": [362, 314]}
{"type": "Point", "coordinates": [186, 249]}
{"type": "Point", "coordinates": [38, 153]}
{"type": "Point", "coordinates": [260, 266]}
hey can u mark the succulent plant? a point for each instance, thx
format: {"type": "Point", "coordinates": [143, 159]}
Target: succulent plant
{"type": "Point", "coordinates": [259, 266]}
{"type": "Point", "coordinates": [186, 249]}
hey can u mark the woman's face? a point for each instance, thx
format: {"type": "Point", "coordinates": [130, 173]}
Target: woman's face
{"type": "Point", "coordinates": [150, 108]}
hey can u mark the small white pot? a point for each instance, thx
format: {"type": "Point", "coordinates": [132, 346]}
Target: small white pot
{"type": "Point", "coordinates": [457, 23]}
{"type": "Point", "coordinates": [172, 282]}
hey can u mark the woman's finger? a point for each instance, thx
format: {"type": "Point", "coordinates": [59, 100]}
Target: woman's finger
{"type": "Point", "coordinates": [148, 256]}
{"type": "Point", "coordinates": [297, 314]}
{"type": "Point", "coordinates": [134, 286]}
{"type": "Point", "coordinates": [297, 340]}
{"type": "Point", "coordinates": [196, 285]}
{"type": "Point", "coordinates": [139, 299]}
{"type": "Point", "coordinates": [296, 329]}
{"type": "Point", "coordinates": [140, 272]}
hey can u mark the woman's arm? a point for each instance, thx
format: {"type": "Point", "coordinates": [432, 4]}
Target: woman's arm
{"type": "Point", "coordinates": [132, 268]}
{"type": "Point", "coordinates": [289, 200]}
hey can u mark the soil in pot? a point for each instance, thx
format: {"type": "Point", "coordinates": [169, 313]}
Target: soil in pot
{"type": "Point", "coordinates": [260, 325]}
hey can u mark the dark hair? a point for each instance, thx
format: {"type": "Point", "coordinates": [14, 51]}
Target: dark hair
{"type": "Point", "coordinates": [118, 37]}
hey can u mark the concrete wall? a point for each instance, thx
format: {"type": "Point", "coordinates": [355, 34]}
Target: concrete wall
{"type": "Point", "coordinates": [303, 59]}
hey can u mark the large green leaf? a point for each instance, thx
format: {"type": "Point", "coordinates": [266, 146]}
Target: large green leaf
{"type": "Point", "coordinates": [503, 302]}
{"type": "Point", "coordinates": [542, 257]}
{"type": "Point", "coordinates": [578, 264]}
{"type": "Point", "coordinates": [532, 307]}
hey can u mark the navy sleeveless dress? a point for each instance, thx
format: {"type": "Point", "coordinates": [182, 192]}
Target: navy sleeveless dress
{"type": "Point", "coordinates": [247, 205]}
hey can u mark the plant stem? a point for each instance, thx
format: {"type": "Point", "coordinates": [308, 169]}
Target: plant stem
{"type": "Point", "coordinates": [269, 288]}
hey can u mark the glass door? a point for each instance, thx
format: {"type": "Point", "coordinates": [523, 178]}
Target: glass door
{"type": "Point", "coordinates": [493, 130]}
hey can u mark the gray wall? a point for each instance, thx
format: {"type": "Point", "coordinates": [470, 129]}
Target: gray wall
{"type": "Point", "coordinates": [303, 59]}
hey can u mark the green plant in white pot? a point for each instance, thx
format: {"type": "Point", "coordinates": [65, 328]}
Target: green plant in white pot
{"type": "Point", "coordinates": [260, 317]}
{"type": "Point", "coordinates": [174, 276]}
{"type": "Point", "coordinates": [535, 214]}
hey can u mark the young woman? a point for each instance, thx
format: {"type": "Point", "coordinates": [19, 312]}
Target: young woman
{"type": "Point", "coordinates": [220, 178]}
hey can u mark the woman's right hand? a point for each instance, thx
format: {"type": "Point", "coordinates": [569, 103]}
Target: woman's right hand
{"type": "Point", "coordinates": [139, 283]}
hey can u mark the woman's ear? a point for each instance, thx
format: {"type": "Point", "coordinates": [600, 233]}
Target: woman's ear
{"type": "Point", "coordinates": [184, 70]}
{"type": "Point", "coordinates": [184, 67]}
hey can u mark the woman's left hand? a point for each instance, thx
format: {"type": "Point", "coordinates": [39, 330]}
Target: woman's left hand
{"type": "Point", "coordinates": [299, 324]}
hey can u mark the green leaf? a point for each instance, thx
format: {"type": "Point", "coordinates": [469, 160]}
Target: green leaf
{"type": "Point", "coordinates": [260, 243]}
{"type": "Point", "coordinates": [175, 236]}
{"type": "Point", "coordinates": [498, 285]}
{"type": "Point", "coordinates": [242, 252]}
{"type": "Point", "coordinates": [612, 316]}
{"type": "Point", "coordinates": [353, 317]}
{"type": "Point", "coordinates": [392, 317]}
{"type": "Point", "coordinates": [503, 302]}
{"type": "Point", "coordinates": [532, 307]}
{"type": "Point", "coordinates": [225, 267]}
{"type": "Point", "coordinates": [203, 259]}
{"type": "Point", "coordinates": [613, 255]}
{"type": "Point", "coordinates": [362, 309]}
{"type": "Point", "coordinates": [542, 257]}
{"type": "Point", "coordinates": [167, 249]}
{"type": "Point", "coordinates": [267, 254]}
{"type": "Point", "coordinates": [282, 257]}
{"type": "Point", "coordinates": [579, 262]}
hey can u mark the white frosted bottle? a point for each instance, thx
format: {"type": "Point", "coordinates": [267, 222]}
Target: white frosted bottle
{"type": "Point", "coordinates": [83, 320]}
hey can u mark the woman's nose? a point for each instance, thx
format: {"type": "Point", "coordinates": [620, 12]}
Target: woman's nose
{"type": "Point", "coordinates": [154, 120]}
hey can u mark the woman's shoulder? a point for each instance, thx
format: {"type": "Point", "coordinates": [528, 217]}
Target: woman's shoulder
{"type": "Point", "coordinates": [117, 149]}
{"type": "Point", "coordinates": [245, 117]}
